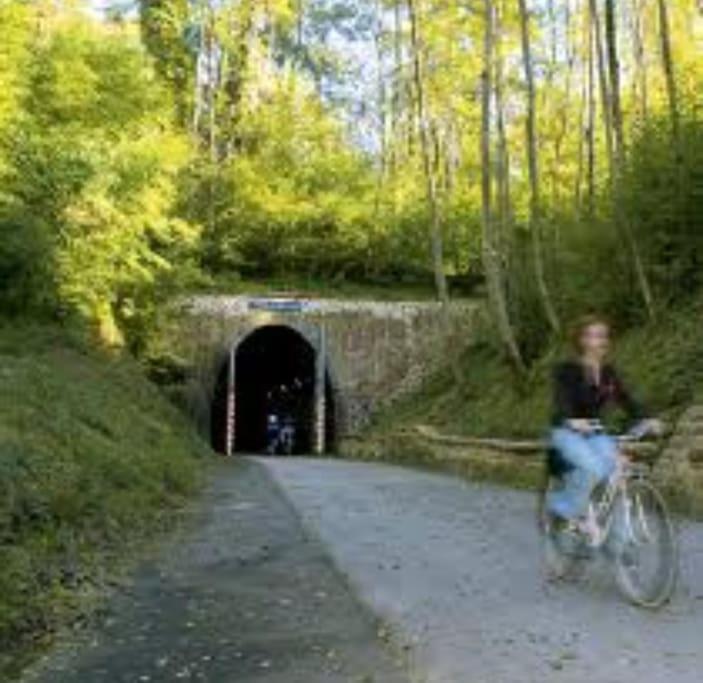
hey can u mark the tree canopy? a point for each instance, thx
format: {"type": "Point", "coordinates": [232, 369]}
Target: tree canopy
{"type": "Point", "coordinates": [553, 148]}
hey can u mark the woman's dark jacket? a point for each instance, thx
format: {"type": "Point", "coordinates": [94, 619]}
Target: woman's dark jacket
{"type": "Point", "coordinates": [576, 396]}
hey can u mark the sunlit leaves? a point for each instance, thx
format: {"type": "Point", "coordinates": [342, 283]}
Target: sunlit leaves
{"type": "Point", "coordinates": [94, 159]}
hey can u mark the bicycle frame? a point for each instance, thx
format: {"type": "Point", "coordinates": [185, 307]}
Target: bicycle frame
{"type": "Point", "coordinates": [603, 506]}
{"type": "Point", "coordinates": [621, 508]}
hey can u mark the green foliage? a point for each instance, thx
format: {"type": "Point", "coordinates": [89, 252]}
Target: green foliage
{"type": "Point", "coordinates": [297, 199]}
{"type": "Point", "coordinates": [14, 56]}
{"type": "Point", "coordinates": [661, 361]}
{"type": "Point", "coordinates": [664, 195]}
{"type": "Point", "coordinates": [173, 41]}
{"type": "Point", "coordinates": [90, 170]}
{"type": "Point", "coordinates": [211, 143]}
{"type": "Point", "coordinates": [92, 461]}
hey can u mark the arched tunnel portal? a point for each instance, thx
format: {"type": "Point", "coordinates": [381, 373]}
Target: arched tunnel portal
{"type": "Point", "coordinates": [275, 382]}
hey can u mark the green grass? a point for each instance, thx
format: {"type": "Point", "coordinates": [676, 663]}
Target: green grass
{"type": "Point", "coordinates": [662, 362]}
{"type": "Point", "coordinates": [312, 287]}
{"type": "Point", "coordinates": [93, 462]}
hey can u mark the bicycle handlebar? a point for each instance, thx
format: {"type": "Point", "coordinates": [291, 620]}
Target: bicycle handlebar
{"type": "Point", "coordinates": [639, 431]}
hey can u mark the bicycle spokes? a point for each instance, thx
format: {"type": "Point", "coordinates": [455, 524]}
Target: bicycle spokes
{"type": "Point", "coordinates": [646, 562]}
{"type": "Point", "coordinates": [641, 527]}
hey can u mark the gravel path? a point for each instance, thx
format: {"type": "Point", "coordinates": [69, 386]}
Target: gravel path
{"type": "Point", "coordinates": [243, 595]}
{"type": "Point", "coordinates": [455, 569]}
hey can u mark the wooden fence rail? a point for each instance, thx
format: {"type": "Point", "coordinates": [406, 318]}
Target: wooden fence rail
{"type": "Point", "coordinates": [516, 446]}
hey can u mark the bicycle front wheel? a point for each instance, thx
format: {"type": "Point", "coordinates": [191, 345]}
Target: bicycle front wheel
{"type": "Point", "coordinates": [647, 559]}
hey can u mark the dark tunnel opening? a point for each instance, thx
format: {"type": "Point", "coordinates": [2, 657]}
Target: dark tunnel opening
{"type": "Point", "coordinates": [274, 385]}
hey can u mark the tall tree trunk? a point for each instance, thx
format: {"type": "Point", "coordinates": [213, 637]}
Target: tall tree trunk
{"type": "Point", "coordinates": [427, 156]}
{"type": "Point", "coordinates": [503, 156]}
{"type": "Point", "coordinates": [591, 141]}
{"type": "Point", "coordinates": [611, 43]}
{"type": "Point", "coordinates": [491, 260]}
{"type": "Point", "coordinates": [241, 31]}
{"type": "Point", "coordinates": [401, 88]}
{"type": "Point", "coordinates": [639, 33]}
{"type": "Point", "coordinates": [198, 104]}
{"type": "Point", "coordinates": [533, 168]}
{"type": "Point", "coordinates": [384, 119]}
{"type": "Point", "coordinates": [395, 98]}
{"type": "Point", "coordinates": [606, 107]}
{"type": "Point", "coordinates": [619, 138]}
{"type": "Point", "coordinates": [671, 89]}
{"type": "Point", "coordinates": [674, 112]}
{"type": "Point", "coordinates": [430, 179]}
{"type": "Point", "coordinates": [583, 123]}
{"type": "Point", "coordinates": [564, 116]}
{"type": "Point", "coordinates": [210, 45]}
{"type": "Point", "coordinates": [299, 24]}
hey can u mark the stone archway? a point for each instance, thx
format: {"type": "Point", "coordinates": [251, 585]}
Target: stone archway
{"type": "Point", "coordinates": [277, 369]}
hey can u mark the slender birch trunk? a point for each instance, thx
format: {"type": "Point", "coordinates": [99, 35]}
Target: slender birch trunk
{"type": "Point", "coordinates": [429, 166]}
{"type": "Point", "coordinates": [619, 139]}
{"type": "Point", "coordinates": [583, 122]}
{"type": "Point", "coordinates": [642, 80]}
{"type": "Point", "coordinates": [503, 155]}
{"type": "Point", "coordinates": [382, 108]}
{"type": "Point", "coordinates": [212, 116]}
{"type": "Point", "coordinates": [426, 151]}
{"type": "Point", "coordinates": [674, 111]}
{"type": "Point", "coordinates": [606, 107]}
{"type": "Point", "coordinates": [591, 122]}
{"type": "Point", "coordinates": [533, 169]}
{"type": "Point", "coordinates": [668, 66]}
{"type": "Point", "coordinates": [491, 260]}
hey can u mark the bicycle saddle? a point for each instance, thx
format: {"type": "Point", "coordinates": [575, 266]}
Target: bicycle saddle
{"type": "Point", "coordinates": [557, 466]}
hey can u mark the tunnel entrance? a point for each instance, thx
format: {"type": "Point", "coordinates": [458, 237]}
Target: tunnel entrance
{"type": "Point", "coordinates": [274, 382]}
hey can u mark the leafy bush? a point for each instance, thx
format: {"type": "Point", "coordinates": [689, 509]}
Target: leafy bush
{"type": "Point", "coordinates": [89, 163]}
{"type": "Point", "coordinates": [662, 361]}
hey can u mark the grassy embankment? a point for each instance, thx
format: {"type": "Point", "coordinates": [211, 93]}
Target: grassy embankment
{"type": "Point", "coordinates": [331, 289]}
{"type": "Point", "coordinates": [93, 462]}
{"type": "Point", "coordinates": [662, 361]}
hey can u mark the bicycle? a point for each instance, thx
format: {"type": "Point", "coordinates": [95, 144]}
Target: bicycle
{"type": "Point", "coordinates": [633, 522]}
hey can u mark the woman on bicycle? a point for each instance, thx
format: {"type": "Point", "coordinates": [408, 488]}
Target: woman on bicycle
{"type": "Point", "coordinates": [583, 388]}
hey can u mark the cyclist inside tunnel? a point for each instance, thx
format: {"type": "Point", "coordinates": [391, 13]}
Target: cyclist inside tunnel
{"type": "Point", "coordinates": [274, 395]}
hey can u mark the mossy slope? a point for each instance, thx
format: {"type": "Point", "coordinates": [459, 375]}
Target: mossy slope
{"type": "Point", "coordinates": [93, 460]}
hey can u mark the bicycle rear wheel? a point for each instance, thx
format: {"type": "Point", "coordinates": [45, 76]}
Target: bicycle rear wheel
{"type": "Point", "coordinates": [647, 561]}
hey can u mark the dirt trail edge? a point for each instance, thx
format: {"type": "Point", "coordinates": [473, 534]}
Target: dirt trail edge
{"type": "Point", "coordinates": [455, 569]}
{"type": "Point", "coordinates": [244, 594]}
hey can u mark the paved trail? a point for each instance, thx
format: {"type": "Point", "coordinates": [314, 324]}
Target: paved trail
{"type": "Point", "coordinates": [455, 569]}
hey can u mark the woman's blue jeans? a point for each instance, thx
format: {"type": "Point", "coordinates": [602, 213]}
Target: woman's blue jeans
{"type": "Point", "coordinates": [593, 458]}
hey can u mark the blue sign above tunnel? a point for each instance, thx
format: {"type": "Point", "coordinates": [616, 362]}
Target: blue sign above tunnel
{"type": "Point", "coordinates": [280, 305]}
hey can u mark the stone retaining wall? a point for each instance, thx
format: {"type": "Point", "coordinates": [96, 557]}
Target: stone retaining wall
{"type": "Point", "coordinates": [375, 352]}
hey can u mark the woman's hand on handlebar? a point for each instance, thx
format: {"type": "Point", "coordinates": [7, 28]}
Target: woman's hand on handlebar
{"type": "Point", "coordinates": [654, 426]}
{"type": "Point", "coordinates": [647, 427]}
{"type": "Point", "coordinates": [580, 425]}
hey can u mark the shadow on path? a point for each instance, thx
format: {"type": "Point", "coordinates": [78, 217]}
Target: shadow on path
{"type": "Point", "coordinates": [242, 595]}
